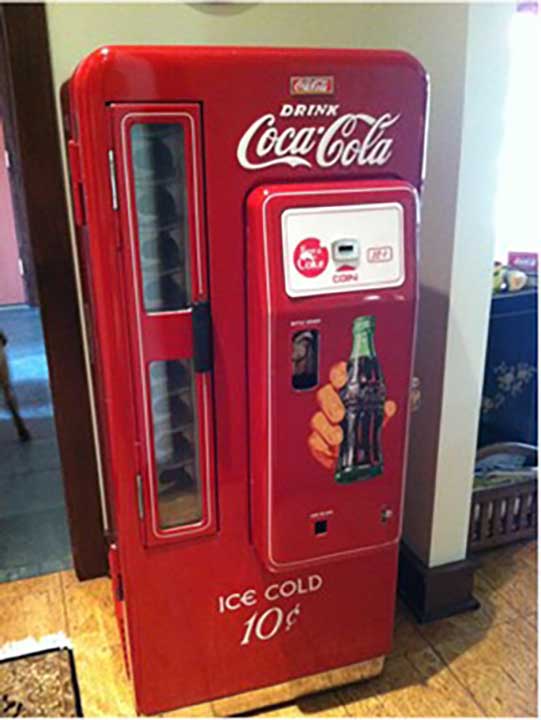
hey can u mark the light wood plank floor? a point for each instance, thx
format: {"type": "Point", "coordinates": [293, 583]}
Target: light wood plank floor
{"type": "Point", "coordinates": [482, 663]}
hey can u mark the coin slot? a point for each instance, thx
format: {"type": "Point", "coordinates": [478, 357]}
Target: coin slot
{"type": "Point", "coordinates": [346, 251]}
{"type": "Point", "coordinates": [320, 527]}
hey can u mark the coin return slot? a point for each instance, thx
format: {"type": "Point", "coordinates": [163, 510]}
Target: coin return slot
{"type": "Point", "coordinates": [320, 527]}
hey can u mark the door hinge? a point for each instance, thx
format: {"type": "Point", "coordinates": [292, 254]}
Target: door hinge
{"type": "Point", "coordinates": [109, 535]}
{"type": "Point", "coordinates": [119, 588]}
{"type": "Point", "coordinates": [140, 499]}
{"type": "Point", "coordinates": [112, 178]}
{"type": "Point", "coordinates": [76, 182]}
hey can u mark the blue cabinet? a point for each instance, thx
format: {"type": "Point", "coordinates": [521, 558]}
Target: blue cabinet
{"type": "Point", "coordinates": [509, 403]}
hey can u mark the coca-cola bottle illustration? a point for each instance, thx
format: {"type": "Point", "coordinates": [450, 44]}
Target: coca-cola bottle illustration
{"type": "Point", "coordinates": [363, 396]}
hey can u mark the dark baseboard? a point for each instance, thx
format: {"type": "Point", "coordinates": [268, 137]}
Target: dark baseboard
{"type": "Point", "coordinates": [438, 592]}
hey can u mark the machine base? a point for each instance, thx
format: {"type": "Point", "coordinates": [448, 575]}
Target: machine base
{"type": "Point", "coordinates": [292, 689]}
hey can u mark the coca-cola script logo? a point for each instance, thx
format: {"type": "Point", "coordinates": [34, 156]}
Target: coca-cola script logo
{"type": "Point", "coordinates": [350, 139]}
{"type": "Point", "coordinates": [311, 85]}
{"type": "Point", "coordinates": [310, 258]}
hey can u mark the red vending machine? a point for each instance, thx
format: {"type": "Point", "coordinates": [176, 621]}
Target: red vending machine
{"type": "Point", "coordinates": [247, 225]}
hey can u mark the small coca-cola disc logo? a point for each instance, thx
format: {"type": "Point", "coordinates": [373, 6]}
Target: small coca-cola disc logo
{"type": "Point", "coordinates": [310, 258]}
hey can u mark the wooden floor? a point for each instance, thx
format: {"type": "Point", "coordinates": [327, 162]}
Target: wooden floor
{"type": "Point", "coordinates": [482, 663]}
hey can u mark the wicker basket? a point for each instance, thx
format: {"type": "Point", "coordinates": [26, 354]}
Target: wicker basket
{"type": "Point", "coordinates": [504, 500]}
{"type": "Point", "coordinates": [503, 514]}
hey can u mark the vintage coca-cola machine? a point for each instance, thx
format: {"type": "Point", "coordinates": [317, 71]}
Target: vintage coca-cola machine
{"type": "Point", "coordinates": [247, 226]}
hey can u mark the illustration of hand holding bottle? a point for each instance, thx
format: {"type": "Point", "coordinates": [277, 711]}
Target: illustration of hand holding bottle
{"type": "Point", "coordinates": [353, 410]}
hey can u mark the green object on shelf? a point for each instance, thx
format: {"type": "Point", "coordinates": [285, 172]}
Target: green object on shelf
{"type": "Point", "coordinates": [498, 275]}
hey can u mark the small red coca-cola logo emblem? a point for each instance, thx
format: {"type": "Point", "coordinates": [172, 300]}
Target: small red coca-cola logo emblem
{"type": "Point", "coordinates": [310, 257]}
{"type": "Point", "coordinates": [311, 85]}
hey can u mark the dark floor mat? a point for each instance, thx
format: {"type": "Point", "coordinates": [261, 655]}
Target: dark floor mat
{"type": "Point", "coordinates": [42, 684]}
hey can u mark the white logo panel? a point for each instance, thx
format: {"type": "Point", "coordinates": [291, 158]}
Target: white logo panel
{"type": "Point", "coordinates": [342, 248]}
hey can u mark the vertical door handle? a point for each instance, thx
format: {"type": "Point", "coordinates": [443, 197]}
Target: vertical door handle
{"type": "Point", "coordinates": [202, 336]}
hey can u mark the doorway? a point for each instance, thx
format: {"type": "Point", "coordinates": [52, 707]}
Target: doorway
{"type": "Point", "coordinates": [12, 289]}
{"type": "Point", "coordinates": [50, 512]}
{"type": "Point", "coordinates": [34, 537]}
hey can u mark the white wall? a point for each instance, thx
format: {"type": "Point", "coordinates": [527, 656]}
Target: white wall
{"type": "Point", "coordinates": [437, 35]}
{"type": "Point", "coordinates": [487, 69]}
{"type": "Point", "coordinates": [519, 187]}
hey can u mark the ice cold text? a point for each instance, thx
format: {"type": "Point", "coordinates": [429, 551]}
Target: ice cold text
{"type": "Point", "coordinates": [273, 592]}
